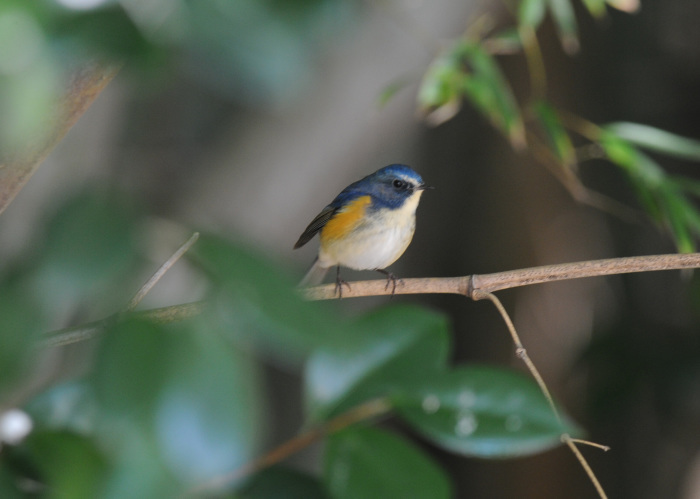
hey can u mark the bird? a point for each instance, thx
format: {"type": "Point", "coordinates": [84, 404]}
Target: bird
{"type": "Point", "coordinates": [368, 226]}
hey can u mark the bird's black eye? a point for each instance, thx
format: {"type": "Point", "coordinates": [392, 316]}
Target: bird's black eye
{"type": "Point", "coordinates": [399, 184]}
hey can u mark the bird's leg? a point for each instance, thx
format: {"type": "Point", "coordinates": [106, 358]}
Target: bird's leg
{"type": "Point", "coordinates": [339, 283]}
{"type": "Point", "coordinates": [390, 278]}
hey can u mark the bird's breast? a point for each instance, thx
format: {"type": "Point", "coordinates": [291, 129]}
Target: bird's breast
{"type": "Point", "coordinates": [360, 237]}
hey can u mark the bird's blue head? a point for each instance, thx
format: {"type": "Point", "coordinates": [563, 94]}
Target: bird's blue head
{"type": "Point", "coordinates": [389, 187]}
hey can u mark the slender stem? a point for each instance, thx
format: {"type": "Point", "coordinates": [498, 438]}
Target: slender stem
{"type": "Point", "coordinates": [520, 350]}
{"type": "Point", "coordinates": [535, 62]}
{"type": "Point", "coordinates": [582, 126]}
{"type": "Point", "coordinates": [148, 285]}
{"type": "Point", "coordinates": [88, 331]}
{"type": "Point", "coordinates": [584, 464]}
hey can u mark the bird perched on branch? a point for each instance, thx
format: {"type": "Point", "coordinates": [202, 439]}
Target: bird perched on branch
{"type": "Point", "coordinates": [367, 226]}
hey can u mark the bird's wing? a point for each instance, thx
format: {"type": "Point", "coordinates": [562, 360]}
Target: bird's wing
{"type": "Point", "coordinates": [316, 225]}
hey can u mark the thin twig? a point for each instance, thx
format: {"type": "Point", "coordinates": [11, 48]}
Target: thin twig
{"type": "Point", "coordinates": [584, 464]}
{"type": "Point", "coordinates": [520, 350]}
{"type": "Point", "coordinates": [148, 285]}
{"type": "Point", "coordinates": [363, 412]}
{"type": "Point", "coordinates": [67, 336]}
{"type": "Point", "coordinates": [602, 447]}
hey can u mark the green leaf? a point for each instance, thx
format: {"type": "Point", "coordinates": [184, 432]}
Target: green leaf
{"type": "Point", "coordinates": [278, 481]}
{"type": "Point", "coordinates": [108, 31]}
{"type": "Point", "coordinates": [70, 464]}
{"type": "Point", "coordinates": [531, 13]}
{"type": "Point", "coordinates": [209, 417]}
{"type": "Point", "coordinates": [258, 303]}
{"type": "Point", "coordinates": [484, 412]}
{"type": "Point", "coordinates": [22, 323]}
{"type": "Point", "coordinates": [657, 140]}
{"type": "Point", "coordinates": [595, 7]}
{"type": "Point", "coordinates": [556, 134]}
{"type": "Point", "coordinates": [680, 215]}
{"type": "Point", "coordinates": [183, 397]}
{"type": "Point", "coordinates": [440, 91]}
{"type": "Point", "coordinates": [662, 197]}
{"type": "Point", "coordinates": [565, 21]}
{"type": "Point", "coordinates": [89, 248]}
{"type": "Point", "coordinates": [386, 350]}
{"type": "Point", "coordinates": [132, 368]}
{"type": "Point", "coordinates": [367, 462]}
{"type": "Point", "coordinates": [66, 406]}
{"type": "Point", "coordinates": [634, 162]}
{"type": "Point", "coordinates": [489, 91]}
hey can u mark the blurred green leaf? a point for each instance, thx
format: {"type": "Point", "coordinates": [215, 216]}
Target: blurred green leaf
{"type": "Point", "coordinates": [484, 412]}
{"type": "Point", "coordinates": [278, 482]}
{"type": "Point", "coordinates": [107, 30]}
{"type": "Point", "coordinates": [662, 197]}
{"type": "Point", "coordinates": [258, 302]}
{"type": "Point", "coordinates": [489, 91]}
{"type": "Point", "coordinates": [555, 133]}
{"type": "Point", "coordinates": [209, 417]}
{"type": "Point", "coordinates": [595, 7]}
{"type": "Point", "coordinates": [185, 396]}
{"type": "Point", "coordinates": [565, 21]}
{"type": "Point", "coordinates": [21, 324]}
{"type": "Point", "coordinates": [67, 406]}
{"type": "Point", "coordinates": [367, 462]}
{"type": "Point", "coordinates": [137, 467]}
{"type": "Point", "coordinates": [531, 13]}
{"type": "Point", "coordinates": [387, 350]}
{"type": "Point", "coordinates": [71, 465]}
{"type": "Point", "coordinates": [132, 368]}
{"type": "Point", "coordinates": [440, 91]}
{"type": "Point", "coordinates": [88, 248]}
{"type": "Point", "coordinates": [624, 154]}
{"type": "Point", "coordinates": [657, 140]}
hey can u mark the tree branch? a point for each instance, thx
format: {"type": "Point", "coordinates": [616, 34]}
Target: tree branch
{"type": "Point", "coordinates": [490, 283]}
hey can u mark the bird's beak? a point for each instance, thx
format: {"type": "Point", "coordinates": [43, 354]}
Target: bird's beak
{"type": "Point", "coordinates": [424, 187]}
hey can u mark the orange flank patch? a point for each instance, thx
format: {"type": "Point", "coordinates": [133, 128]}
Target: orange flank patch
{"type": "Point", "coordinates": [346, 219]}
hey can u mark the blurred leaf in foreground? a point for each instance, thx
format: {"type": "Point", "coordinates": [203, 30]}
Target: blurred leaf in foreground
{"type": "Point", "coordinates": [278, 481]}
{"type": "Point", "coordinates": [368, 462]}
{"type": "Point", "coordinates": [258, 304]}
{"type": "Point", "coordinates": [387, 350]}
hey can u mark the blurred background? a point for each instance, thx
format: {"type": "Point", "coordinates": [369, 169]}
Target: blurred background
{"type": "Point", "coordinates": [246, 118]}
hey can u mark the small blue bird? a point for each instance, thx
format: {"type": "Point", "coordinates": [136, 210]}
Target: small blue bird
{"type": "Point", "coordinates": [367, 226]}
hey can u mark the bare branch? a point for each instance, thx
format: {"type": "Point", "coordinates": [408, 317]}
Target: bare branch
{"type": "Point", "coordinates": [489, 283]}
